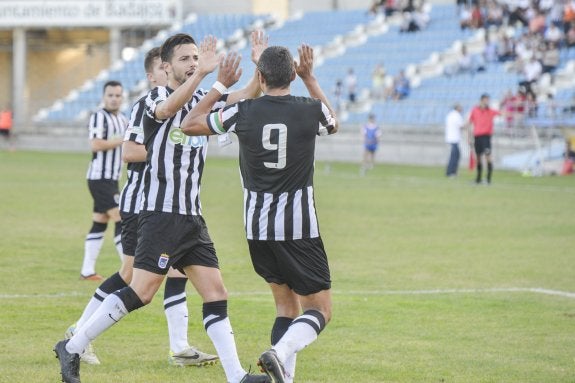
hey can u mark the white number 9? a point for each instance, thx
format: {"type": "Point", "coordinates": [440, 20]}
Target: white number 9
{"type": "Point", "coordinates": [280, 147]}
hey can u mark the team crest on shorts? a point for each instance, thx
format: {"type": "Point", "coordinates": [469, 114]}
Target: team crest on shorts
{"type": "Point", "coordinates": [163, 261]}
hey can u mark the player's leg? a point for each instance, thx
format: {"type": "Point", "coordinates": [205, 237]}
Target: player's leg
{"type": "Point", "coordinates": [301, 264]}
{"type": "Point", "coordinates": [201, 266]}
{"type": "Point", "coordinates": [93, 245]}
{"type": "Point", "coordinates": [116, 306]}
{"type": "Point", "coordinates": [114, 215]}
{"type": "Point", "coordinates": [301, 332]}
{"type": "Point", "coordinates": [488, 159]}
{"type": "Point", "coordinates": [287, 309]}
{"type": "Point", "coordinates": [115, 282]}
{"type": "Point", "coordinates": [479, 156]}
{"type": "Point", "coordinates": [176, 310]}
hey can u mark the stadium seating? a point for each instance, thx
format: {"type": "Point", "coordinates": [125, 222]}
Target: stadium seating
{"type": "Point", "coordinates": [342, 40]}
{"type": "Point", "coordinates": [78, 104]}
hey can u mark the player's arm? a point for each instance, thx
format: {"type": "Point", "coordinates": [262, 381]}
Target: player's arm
{"type": "Point", "coordinates": [133, 152]}
{"type": "Point", "coordinates": [195, 123]}
{"type": "Point", "coordinates": [304, 70]}
{"type": "Point", "coordinates": [99, 140]}
{"type": "Point", "coordinates": [207, 62]}
{"type": "Point", "coordinates": [102, 145]}
{"type": "Point", "coordinates": [259, 42]}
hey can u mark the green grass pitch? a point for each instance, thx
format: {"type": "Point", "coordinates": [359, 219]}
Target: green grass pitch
{"type": "Point", "coordinates": [434, 280]}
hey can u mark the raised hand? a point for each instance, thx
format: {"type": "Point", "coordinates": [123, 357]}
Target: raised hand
{"type": "Point", "coordinates": [208, 59]}
{"type": "Point", "coordinates": [259, 42]}
{"type": "Point", "coordinates": [305, 67]}
{"type": "Point", "coordinates": [230, 71]}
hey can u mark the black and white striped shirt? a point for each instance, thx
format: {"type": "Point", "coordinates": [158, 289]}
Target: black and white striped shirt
{"type": "Point", "coordinates": [277, 147]}
{"type": "Point", "coordinates": [130, 198]}
{"type": "Point", "coordinates": [107, 164]}
{"type": "Point", "coordinates": [175, 161]}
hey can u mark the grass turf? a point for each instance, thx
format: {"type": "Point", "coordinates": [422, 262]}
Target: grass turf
{"type": "Point", "coordinates": [431, 277]}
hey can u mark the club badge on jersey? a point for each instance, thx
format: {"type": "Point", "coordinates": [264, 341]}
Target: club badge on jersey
{"type": "Point", "coordinates": [163, 261]}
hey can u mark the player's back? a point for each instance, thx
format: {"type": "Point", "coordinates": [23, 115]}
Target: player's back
{"type": "Point", "coordinates": [277, 142]}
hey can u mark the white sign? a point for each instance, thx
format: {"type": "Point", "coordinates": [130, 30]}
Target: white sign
{"type": "Point", "coordinates": [88, 13]}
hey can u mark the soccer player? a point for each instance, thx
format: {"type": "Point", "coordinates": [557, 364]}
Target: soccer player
{"type": "Point", "coordinates": [481, 117]}
{"type": "Point", "coordinates": [276, 134]}
{"type": "Point", "coordinates": [106, 130]}
{"type": "Point", "coordinates": [171, 229]}
{"type": "Point", "coordinates": [175, 305]}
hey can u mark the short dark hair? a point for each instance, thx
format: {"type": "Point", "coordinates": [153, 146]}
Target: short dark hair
{"type": "Point", "coordinates": [167, 49]}
{"type": "Point", "coordinates": [111, 83]}
{"type": "Point", "coordinates": [276, 66]}
{"type": "Point", "coordinates": [152, 54]}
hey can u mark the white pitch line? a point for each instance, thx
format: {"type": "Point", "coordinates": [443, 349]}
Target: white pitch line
{"type": "Point", "coordinates": [535, 290]}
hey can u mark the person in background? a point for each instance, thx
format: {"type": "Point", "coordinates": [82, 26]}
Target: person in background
{"type": "Point", "coordinates": [481, 118]}
{"type": "Point", "coordinates": [6, 125]}
{"type": "Point", "coordinates": [106, 132]}
{"type": "Point", "coordinates": [371, 135]}
{"type": "Point", "coordinates": [454, 123]}
{"type": "Point", "coordinates": [351, 85]}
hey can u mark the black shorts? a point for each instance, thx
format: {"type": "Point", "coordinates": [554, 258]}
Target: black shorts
{"type": "Point", "coordinates": [129, 233]}
{"type": "Point", "coordinates": [482, 145]}
{"type": "Point", "coordinates": [176, 240]}
{"type": "Point", "coordinates": [301, 264]}
{"type": "Point", "coordinates": [105, 193]}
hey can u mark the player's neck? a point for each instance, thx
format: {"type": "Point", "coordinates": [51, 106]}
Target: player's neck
{"type": "Point", "coordinates": [277, 92]}
{"type": "Point", "coordinates": [173, 84]}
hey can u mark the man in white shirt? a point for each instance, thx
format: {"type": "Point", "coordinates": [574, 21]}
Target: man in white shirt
{"type": "Point", "coordinates": [453, 124]}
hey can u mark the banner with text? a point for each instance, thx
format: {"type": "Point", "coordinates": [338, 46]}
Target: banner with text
{"type": "Point", "coordinates": [88, 13]}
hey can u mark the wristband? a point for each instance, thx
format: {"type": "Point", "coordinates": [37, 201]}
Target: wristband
{"type": "Point", "coordinates": [219, 87]}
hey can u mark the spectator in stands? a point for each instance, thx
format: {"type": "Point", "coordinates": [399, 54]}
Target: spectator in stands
{"type": "Point", "coordinates": [454, 123]}
{"type": "Point", "coordinates": [553, 35]}
{"type": "Point", "coordinates": [551, 58]}
{"type": "Point", "coordinates": [490, 49]}
{"type": "Point", "coordinates": [537, 23]}
{"type": "Point", "coordinates": [466, 63]}
{"type": "Point", "coordinates": [6, 125]}
{"type": "Point", "coordinates": [408, 23]}
{"type": "Point", "coordinates": [351, 85]}
{"type": "Point", "coordinates": [532, 71]}
{"type": "Point", "coordinates": [568, 15]}
{"type": "Point", "coordinates": [556, 14]}
{"type": "Point", "coordinates": [518, 13]}
{"type": "Point", "coordinates": [338, 96]}
{"type": "Point", "coordinates": [481, 119]}
{"type": "Point", "coordinates": [400, 87]}
{"type": "Point", "coordinates": [494, 15]}
{"type": "Point", "coordinates": [571, 107]}
{"type": "Point", "coordinates": [371, 135]}
{"type": "Point", "coordinates": [506, 49]}
{"type": "Point", "coordinates": [377, 81]}
{"type": "Point", "coordinates": [570, 35]}
{"type": "Point", "coordinates": [465, 17]}
{"type": "Point", "coordinates": [376, 6]}
{"type": "Point", "coordinates": [513, 109]}
{"type": "Point", "coordinates": [476, 17]}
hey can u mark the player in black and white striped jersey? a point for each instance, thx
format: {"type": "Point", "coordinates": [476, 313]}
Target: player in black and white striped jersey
{"type": "Point", "coordinates": [175, 302]}
{"type": "Point", "coordinates": [276, 135]}
{"type": "Point", "coordinates": [106, 132]}
{"type": "Point", "coordinates": [171, 230]}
